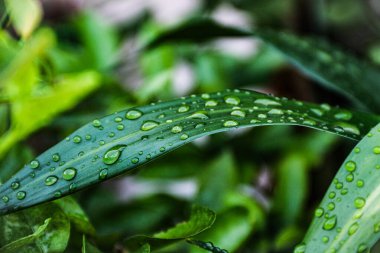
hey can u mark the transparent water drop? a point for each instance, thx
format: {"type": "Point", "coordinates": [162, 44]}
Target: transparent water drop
{"type": "Point", "coordinates": [262, 116]}
{"type": "Point", "coordinates": [376, 227]}
{"type": "Point", "coordinates": [276, 112]}
{"type": "Point", "coordinates": [5, 199]}
{"type": "Point", "coordinates": [362, 248]}
{"type": "Point", "coordinates": [120, 127]}
{"type": "Point", "coordinates": [211, 103]}
{"type": "Point", "coordinates": [103, 174]}
{"type": "Point", "coordinates": [133, 114]}
{"type": "Point", "coordinates": [88, 137]}
{"type": "Point", "coordinates": [34, 164]}
{"type": "Point", "coordinates": [15, 185]}
{"type": "Point", "coordinates": [205, 96]}
{"type": "Point", "coordinates": [360, 183]}
{"type": "Point", "coordinates": [57, 194]}
{"type": "Point", "coordinates": [350, 166]}
{"type": "Point", "coordinates": [331, 206]}
{"type": "Point", "coordinates": [113, 154]}
{"type": "Point", "coordinates": [319, 212]}
{"type": "Point", "coordinates": [359, 202]}
{"type": "Point", "coordinates": [96, 123]}
{"type": "Point", "coordinates": [238, 113]}
{"type": "Point", "coordinates": [199, 115]}
{"type": "Point", "coordinates": [21, 195]}
{"type": "Point", "coordinates": [230, 123]}
{"type": "Point", "coordinates": [343, 115]}
{"type": "Point", "coordinates": [232, 100]}
{"type": "Point", "coordinates": [184, 137]}
{"type": "Point", "coordinates": [267, 102]}
{"type": "Point", "coordinates": [330, 223]}
{"type": "Point", "coordinates": [183, 108]}
{"type": "Point", "coordinates": [56, 157]}
{"type": "Point", "coordinates": [118, 119]}
{"type": "Point", "coordinates": [350, 177]}
{"type": "Point", "coordinates": [135, 160]}
{"type": "Point", "coordinates": [353, 228]}
{"type": "Point", "coordinates": [325, 239]}
{"type": "Point", "coordinates": [309, 122]}
{"type": "Point", "coordinates": [77, 139]}
{"type": "Point", "coordinates": [317, 112]}
{"type": "Point", "coordinates": [176, 129]}
{"type": "Point", "coordinates": [50, 180]}
{"type": "Point", "coordinates": [149, 125]}
{"type": "Point", "coordinates": [69, 174]}
{"type": "Point", "coordinates": [376, 150]}
{"type": "Point", "coordinates": [300, 248]}
{"type": "Point", "coordinates": [347, 127]}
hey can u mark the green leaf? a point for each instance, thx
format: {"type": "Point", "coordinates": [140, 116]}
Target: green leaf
{"type": "Point", "coordinates": [348, 219]}
{"type": "Point", "coordinates": [317, 58]}
{"type": "Point", "coordinates": [118, 143]}
{"type": "Point", "coordinates": [54, 238]}
{"type": "Point", "coordinates": [201, 219]}
{"type": "Point", "coordinates": [22, 242]}
{"type": "Point", "coordinates": [87, 247]}
{"type": "Point", "coordinates": [144, 249]}
{"type": "Point", "coordinates": [209, 246]}
{"type": "Point", "coordinates": [25, 14]}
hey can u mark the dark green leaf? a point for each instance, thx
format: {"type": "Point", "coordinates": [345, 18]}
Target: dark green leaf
{"type": "Point", "coordinates": [118, 143]}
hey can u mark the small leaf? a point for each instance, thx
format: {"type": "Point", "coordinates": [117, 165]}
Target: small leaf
{"type": "Point", "coordinates": [201, 219]}
{"type": "Point", "coordinates": [209, 246]}
{"type": "Point", "coordinates": [25, 14]}
{"type": "Point", "coordinates": [118, 143]}
{"type": "Point", "coordinates": [348, 219]}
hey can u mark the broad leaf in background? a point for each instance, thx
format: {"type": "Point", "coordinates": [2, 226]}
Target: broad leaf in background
{"type": "Point", "coordinates": [348, 219]}
{"type": "Point", "coordinates": [25, 15]}
{"type": "Point", "coordinates": [53, 238]}
{"type": "Point", "coordinates": [118, 143]}
{"type": "Point", "coordinates": [201, 218]}
{"type": "Point", "coordinates": [315, 57]}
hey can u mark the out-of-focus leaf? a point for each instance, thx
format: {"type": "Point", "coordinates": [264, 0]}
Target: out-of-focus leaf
{"type": "Point", "coordinates": [99, 39]}
{"type": "Point", "coordinates": [17, 245]}
{"type": "Point", "coordinates": [76, 215]}
{"type": "Point", "coordinates": [348, 218]}
{"type": "Point", "coordinates": [318, 59]}
{"type": "Point", "coordinates": [53, 239]}
{"type": "Point", "coordinates": [144, 249]}
{"type": "Point", "coordinates": [119, 142]}
{"type": "Point", "coordinates": [209, 246]}
{"type": "Point", "coordinates": [287, 238]}
{"type": "Point", "coordinates": [25, 15]}
{"type": "Point", "coordinates": [216, 180]}
{"type": "Point", "coordinates": [201, 219]}
{"type": "Point", "coordinates": [16, 157]}
{"type": "Point", "coordinates": [87, 247]}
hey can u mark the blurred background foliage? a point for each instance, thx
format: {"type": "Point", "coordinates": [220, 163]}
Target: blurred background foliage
{"type": "Point", "coordinates": [65, 62]}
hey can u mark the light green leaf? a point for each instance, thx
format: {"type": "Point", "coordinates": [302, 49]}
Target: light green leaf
{"type": "Point", "coordinates": [118, 143]}
{"type": "Point", "coordinates": [25, 15]}
{"type": "Point", "coordinates": [22, 242]}
{"type": "Point", "coordinates": [348, 219]}
{"type": "Point", "coordinates": [53, 238]}
{"type": "Point", "coordinates": [144, 249]}
{"type": "Point", "coordinates": [201, 219]}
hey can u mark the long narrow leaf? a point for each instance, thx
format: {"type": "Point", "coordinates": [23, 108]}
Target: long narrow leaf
{"type": "Point", "coordinates": [118, 143]}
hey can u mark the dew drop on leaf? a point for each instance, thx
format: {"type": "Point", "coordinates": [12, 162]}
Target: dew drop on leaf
{"type": "Point", "coordinates": [232, 100]}
{"type": "Point", "coordinates": [15, 185]}
{"type": "Point", "coordinates": [50, 180]}
{"type": "Point", "coordinates": [211, 103]}
{"type": "Point", "coordinates": [135, 160]}
{"type": "Point", "coordinates": [300, 248]}
{"type": "Point", "coordinates": [330, 223]}
{"type": "Point", "coordinates": [276, 112]}
{"type": "Point", "coordinates": [238, 113]}
{"type": "Point", "coordinates": [96, 123]}
{"type": "Point", "coordinates": [319, 212]}
{"type": "Point", "coordinates": [376, 150]}
{"type": "Point", "coordinates": [176, 129]}
{"type": "Point", "coordinates": [113, 154]}
{"type": "Point", "coordinates": [133, 114]}
{"type": "Point", "coordinates": [350, 166]}
{"type": "Point", "coordinates": [5, 199]}
{"type": "Point", "coordinates": [199, 115]}
{"type": "Point", "coordinates": [183, 108]}
{"type": "Point", "coordinates": [359, 202]}
{"type": "Point", "coordinates": [103, 174]}
{"type": "Point", "coordinates": [69, 174]}
{"type": "Point", "coordinates": [266, 102]}
{"type": "Point", "coordinates": [230, 123]}
{"type": "Point", "coordinates": [184, 137]}
{"type": "Point", "coordinates": [56, 157]}
{"type": "Point", "coordinates": [149, 125]}
{"type": "Point", "coordinates": [34, 164]}
{"type": "Point", "coordinates": [353, 228]}
{"type": "Point", "coordinates": [343, 115]}
{"type": "Point", "coordinates": [77, 139]}
{"type": "Point", "coordinates": [21, 195]}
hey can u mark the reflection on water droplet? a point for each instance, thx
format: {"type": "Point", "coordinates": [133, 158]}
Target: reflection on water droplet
{"type": "Point", "coordinates": [15, 185]}
{"type": "Point", "coordinates": [350, 166]}
{"type": "Point", "coordinates": [34, 164]}
{"type": "Point", "coordinates": [135, 160]}
{"type": "Point", "coordinates": [230, 123]}
{"type": "Point", "coordinates": [183, 108]}
{"type": "Point", "coordinates": [113, 154]}
{"type": "Point", "coordinates": [347, 127]}
{"type": "Point", "coordinates": [176, 129]}
{"type": "Point", "coordinates": [103, 174]}
{"type": "Point", "coordinates": [50, 180]}
{"type": "Point", "coordinates": [266, 102]}
{"type": "Point", "coordinates": [301, 248]}
{"type": "Point", "coordinates": [238, 113]}
{"type": "Point", "coordinates": [184, 137]}
{"type": "Point", "coordinates": [96, 123]}
{"type": "Point", "coordinates": [21, 195]}
{"type": "Point", "coordinates": [317, 112]}
{"type": "Point", "coordinates": [376, 150]}
{"type": "Point", "coordinates": [211, 103]}
{"type": "Point", "coordinates": [56, 157]}
{"type": "Point", "coordinates": [69, 174]}
{"type": "Point", "coordinates": [77, 139]}
{"type": "Point", "coordinates": [149, 125]}
{"type": "Point", "coordinates": [5, 199]}
{"type": "Point", "coordinates": [353, 228]}
{"type": "Point", "coordinates": [343, 115]}
{"type": "Point", "coordinates": [319, 212]}
{"type": "Point", "coordinates": [133, 114]}
{"type": "Point", "coordinates": [232, 100]}
{"type": "Point", "coordinates": [330, 223]}
{"type": "Point", "coordinates": [199, 115]}
{"type": "Point", "coordinates": [118, 119]}
{"type": "Point", "coordinates": [120, 127]}
{"type": "Point", "coordinates": [359, 202]}
{"type": "Point", "coordinates": [276, 112]}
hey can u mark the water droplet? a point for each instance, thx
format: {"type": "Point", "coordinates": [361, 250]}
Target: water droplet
{"type": "Point", "coordinates": [205, 96]}
{"type": "Point", "coordinates": [309, 122]}
{"type": "Point", "coordinates": [350, 166]}
{"type": "Point", "coordinates": [21, 195]}
{"type": "Point", "coordinates": [359, 202]}
{"type": "Point", "coordinates": [57, 194]}
{"type": "Point", "coordinates": [103, 174]}
{"type": "Point", "coordinates": [135, 160]}
{"type": "Point", "coordinates": [133, 114]}
{"type": "Point", "coordinates": [343, 115]}
{"type": "Point", "coordinates": [199, 115]}
{"type": "Point", "coordinates": [56, 157]}
{"type": "Point", "coordinates": [325, 239]}
{"type": "Point", "coordinates": [232, 100]}
{"type": "Point", "coordinates": [331, 206]}
{"type": "Point", "coordinates": [69, 174]}
{"type": "Point", "coordinates": [349, 128]}
{"type": "Point", "coordinates": [118, 119]}
{"type": "Point", "coordinates": [5, 199]}
{"type": "Point", "coordinates": [101, 142]}
{"type": "Point", "coordinates": [230, 123]}
{"type": "Point", "coordinates": [319, 212]}
{"type": "Point", "coordinates": [184, 137]}
{"type": "Point", "coordinates": [211, 103]}
{"type": "Point", "coordinates": [113, 154]}
{"type": "Point", "coordinates": [344, 191]}
{"type": "Point", "coordinates": [176, 129]}
{"type": "Point", "coordinates": [362, 248]}
{"type": "Point", "coordinates": [353, 228]}
{"type": "Point", "coordinates": [376, 150]}
{"type": "Point", "coordinates": [300, 248]}
{"type": "Point", "coordinates": [111, 134]}
{"type": "Point", "coordinates": [96, 123]}
{"type": "Point", "coordinates": [77, 139]}
{"type": "Point", "coordinates": [326, 107]}
{"type": "Point", "coordinates": [376, 227]}
{"type": "Point", "coordinates": [183, 108]}
{"type": "Point", "coordinates": [317, 112]}
{"type": "Point", "coordinates": [34, 164]}
{"type": "Point", "coordinates": [15, 185]}
{"type": "Point", "coordinates": [339, 185]}
{"type": "Point", "coordinates": [332, 195]}
{"type": "Point", "coordinates": [238, 113]}
{"type": "Point", "coordinates": [88, 137]}
{"type": "Point", "coordinates": [120, 127]}
{"type": "Point", "coordinates": [330, 223]}
{"type": "Point", "coordinates": [276, 112]}
{"type": "Point", "coordinates": [350, 177]}
{"type": "Point", "coordinates": [266, 102]}
{"type": "Point", "coordinates": [357, 150]}
{"type": "Point", "coordinates": [149, 125]}
{"type": "Point", "coordinates": [360, 183]}
{"type": "Point", "coordinates": [50, 180]}
{"type": "Point", "coordinates": [262, 116]}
